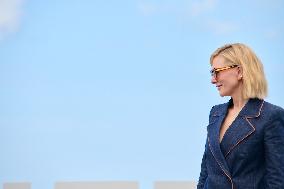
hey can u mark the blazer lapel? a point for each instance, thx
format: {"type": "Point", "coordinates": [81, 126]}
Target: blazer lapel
{"type": "Point", "coordinates": [241, 128]}
{"type": "Point", "coordinates": [213, 138]}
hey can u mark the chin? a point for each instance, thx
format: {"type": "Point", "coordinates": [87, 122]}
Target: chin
{"type": "Point", "coordinates": [222, 94]}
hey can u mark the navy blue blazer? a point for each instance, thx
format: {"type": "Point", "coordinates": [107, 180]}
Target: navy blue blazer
{"type": "Point", "coordinates": [251, 153]}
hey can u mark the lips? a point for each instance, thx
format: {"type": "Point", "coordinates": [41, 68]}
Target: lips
{"type": "Point", "coordinates": [218, 86]}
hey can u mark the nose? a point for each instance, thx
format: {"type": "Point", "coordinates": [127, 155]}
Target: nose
{"type": "Point", "coordinates": [213, 79]}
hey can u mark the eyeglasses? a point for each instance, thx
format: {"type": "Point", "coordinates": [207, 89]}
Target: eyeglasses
{"type": "Point", "coordinates": [215, 71]}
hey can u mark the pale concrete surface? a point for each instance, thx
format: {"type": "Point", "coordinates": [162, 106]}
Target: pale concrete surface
{"type": "Point", "coordinates": [97, 185]}
{"type": "Point", "coordinates": [174, 185]}
{"type": "Point", "coordinates": [20, 185]}
{"type": "Point", "coordinates": [108, 185]}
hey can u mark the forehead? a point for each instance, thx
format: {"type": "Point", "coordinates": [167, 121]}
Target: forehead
{"type": "Point", "coordinates": [218, 61]}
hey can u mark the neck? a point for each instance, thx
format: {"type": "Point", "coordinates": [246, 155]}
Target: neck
{"type": "Point", "coordinates": [239, 102]}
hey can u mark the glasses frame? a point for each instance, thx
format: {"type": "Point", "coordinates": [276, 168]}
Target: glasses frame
{"type": "Point", "coordinates": [215, 71]}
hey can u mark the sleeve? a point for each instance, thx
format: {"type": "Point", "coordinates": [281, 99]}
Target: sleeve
{"type": "Point", "coordinates": [203, 172]}
{"type": "Point", "coordinates": [274, 152]}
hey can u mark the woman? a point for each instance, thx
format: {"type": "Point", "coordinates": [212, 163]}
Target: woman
{"type": "Point", "coordinates": [245, 136]}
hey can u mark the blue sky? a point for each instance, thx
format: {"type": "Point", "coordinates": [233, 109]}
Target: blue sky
{"type": "Point", "coordinates": [119, 90]}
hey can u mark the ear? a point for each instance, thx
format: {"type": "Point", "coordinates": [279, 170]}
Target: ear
{"type": "Point", "coordinates": [240, 73]}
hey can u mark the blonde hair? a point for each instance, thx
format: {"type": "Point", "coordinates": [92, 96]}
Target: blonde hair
{"type": "Point", "coordinates": [254, 82]}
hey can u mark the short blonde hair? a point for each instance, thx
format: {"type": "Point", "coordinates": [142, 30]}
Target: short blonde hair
{"type": "Point", "coordinates": [254, 82]}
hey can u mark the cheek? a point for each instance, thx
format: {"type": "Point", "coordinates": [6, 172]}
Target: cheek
{"type": "Point", "coordinates": [231, 83]}
{"type": "Point", "coordinates": [228, 79]}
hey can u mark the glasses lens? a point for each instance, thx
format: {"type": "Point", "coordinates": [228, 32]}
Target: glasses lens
{"type": "Point", "coordinates": [212, 72]}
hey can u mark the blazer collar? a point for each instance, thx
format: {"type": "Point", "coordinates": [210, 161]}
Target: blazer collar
{"type": "Point", "coordinates": [251, 109]}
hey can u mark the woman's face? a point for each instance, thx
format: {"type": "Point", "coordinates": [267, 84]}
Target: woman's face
{"type": "Point", "coordinates": [228, 80]}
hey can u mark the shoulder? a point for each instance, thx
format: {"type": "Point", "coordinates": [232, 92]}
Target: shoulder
{"type": "Point", "coordinates": [272, 111]}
